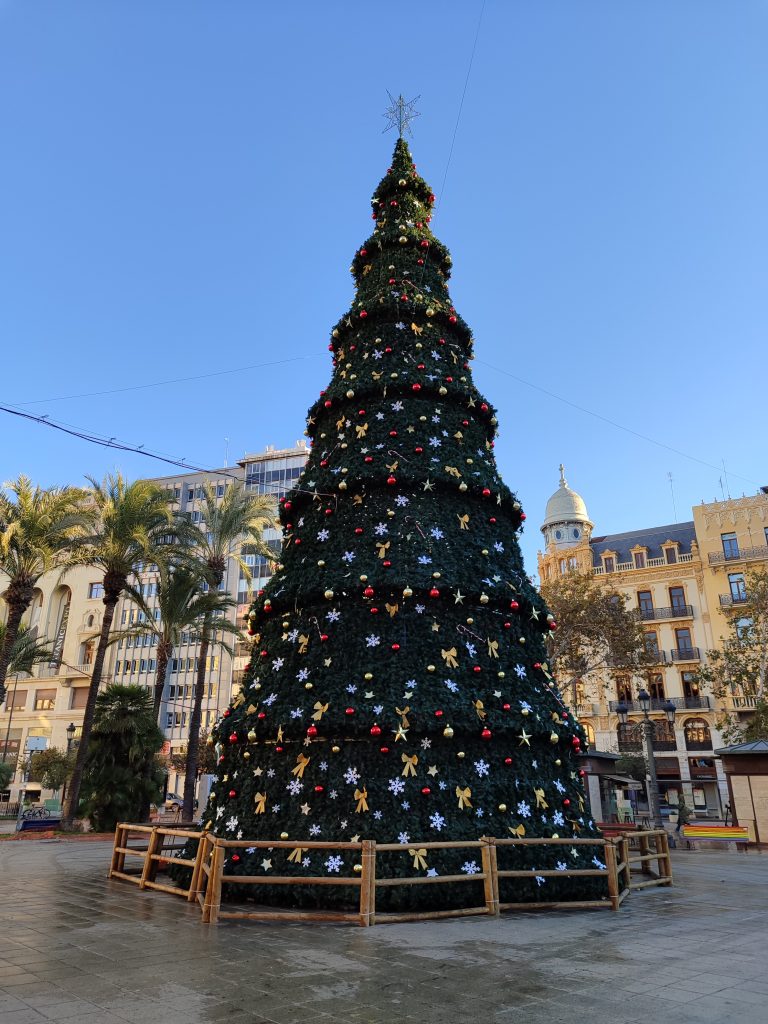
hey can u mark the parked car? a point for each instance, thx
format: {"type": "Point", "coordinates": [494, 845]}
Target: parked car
{"type": "Point", "coordinates": [174, 802]}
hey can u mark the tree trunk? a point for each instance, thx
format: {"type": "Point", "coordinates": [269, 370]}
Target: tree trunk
{"type": "Point", "coordinates": [16, 609]}
{"type": "Point", "coordinates": [73, 794]}
{"type": "Point", "coordinates": [164, 652]}
{"type": "Point", "coordinates": [193, 741]}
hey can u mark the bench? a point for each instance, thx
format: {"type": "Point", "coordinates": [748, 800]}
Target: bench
{"type": "Point", "coordinates": [611, 829]}
{"type": "Point", "coordinates": [39, 824]}
{"type": "Point", "coordinates": [715, 834]}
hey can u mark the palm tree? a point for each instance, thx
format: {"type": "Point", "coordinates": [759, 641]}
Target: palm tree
{"type": "Point", "coordinates": [24, 653]}
{"type": "Point", "coordinates": [123, 773]}
{"type": "Point", "coordinates": [227, 523]}
{"type": "Point", "coordinates": [128, 524]}
{"type": "Point", "coordinates": [36, 530]}
{"type": "Point", "coordinates": [181, 606]}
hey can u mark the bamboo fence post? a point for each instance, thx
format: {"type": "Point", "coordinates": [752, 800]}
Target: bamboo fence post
{"type": "Point", "coordinates": [491, 880]}
{"type": "Point", "coordinates": [197, 870]}
{"type": "Point", "coordinates": [367, 892]}
{"type": "Point", "coordinates": [624, 856]}
{"type": "Point", "coordinates": [146, 870]}
{"type": "Point", "coordinates": [114, 864]}
{"type": "Point", "coordinates": [613, 881]}
{"type": "Point", "coordinates": [213, 893]}
{"type": "Point", "coordinates": [645, 850]}
{"type": "Point", "coordinates": [664, 861]}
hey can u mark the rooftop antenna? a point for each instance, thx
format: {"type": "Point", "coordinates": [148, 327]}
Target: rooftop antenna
{"type": "Point", "coordinates": [672, 491]}
{"type": "Point", "coordinates": [725, 474]}
{"type": "Point", "coordinates": [226, 452]}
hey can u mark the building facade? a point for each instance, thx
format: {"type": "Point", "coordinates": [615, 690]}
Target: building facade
{"type": "Point", "coordinates": [69, 613]}
{"type": "Point", "coordinates": [683, 580]}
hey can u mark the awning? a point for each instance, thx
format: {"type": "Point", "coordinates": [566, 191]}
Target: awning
{"type": "Point", "coordinates": [624, 780]}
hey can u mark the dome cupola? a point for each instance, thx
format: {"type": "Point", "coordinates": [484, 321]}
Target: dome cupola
{"type": "Point", "coordinates": [566, 522]}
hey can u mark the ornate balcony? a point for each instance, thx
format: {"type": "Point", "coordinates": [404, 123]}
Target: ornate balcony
{"type": "Point", "coordinates": [680, 611]}
{"type": "Point", "coordinates": [657, 704]}
{"type": "Point", "coordinates": [685, 654]}
{"type": "Point", "coordinates": [733, 600]}
{"type": "Point", "coordinates": [742, 555]}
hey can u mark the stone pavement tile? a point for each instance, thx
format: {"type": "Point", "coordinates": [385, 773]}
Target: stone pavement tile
{"type": "Point", "coordinates": [8, 1003]}
{"type": "Point", "coordinates": [66, 1010]}
{"type": "Point", "coordinates": [27, 1016]}
{"type": "Point", "coordinates": [707, 983]}
{"type": "Point", "coordinates": [743, 995]}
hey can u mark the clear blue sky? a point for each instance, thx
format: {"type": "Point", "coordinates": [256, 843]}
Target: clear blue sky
{"type": "Point", "coordinates": [183, 185]}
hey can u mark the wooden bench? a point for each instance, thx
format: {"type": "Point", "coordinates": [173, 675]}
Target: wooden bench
{"type": "Point", "coordinates": [611, 829]}
{"type": "Point", "coordinates": [715, 834]}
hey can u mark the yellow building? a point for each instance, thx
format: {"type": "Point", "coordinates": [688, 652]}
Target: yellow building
{"type": "Point", "coordinates": [68, 613]}
{"type": "Point", "coordinates": [669, 579]}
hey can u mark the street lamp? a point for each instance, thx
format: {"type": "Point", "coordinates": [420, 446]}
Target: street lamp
{"type": "Point", "coordinates": [644, 700]}
{"type": "Point", "coordinates": [71, 730]}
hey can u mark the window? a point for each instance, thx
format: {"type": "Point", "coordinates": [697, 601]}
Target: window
{"type": "Point", "coordinates": [677, 599]}
{"type": "Point", "coordinates": [652, 644]}
{"type": "Point", "coordinates": [738, 586]}
{"type": "Point", "coordinates": [124, 616]}
{"type": "Point", "coordinates": [45, 700]}
{"type": "Point", "coordinates": [690, 684]}
{"type": "Point", "coordinates": [645, 604]}
{"type": "Point", "coordinates": [730, 545]}
{"type": "Point", "coordinates": [590, 734]}
{"type": "Point", "coordinates": [744, 628]}
{"type": "Point", "coordinates": [196, 516]}
{"type": "Point", "coordinates": [190, 493]}
{"type": "Point", "coordinates": [639, 559]}
{"type": "Point", "coordinates": [219, 490]}
{"type": "Point", "coordinates": [16, 701]}
{"type": "Point", "coordinates": [95, 590]}
{"type": "Point", "coordinates": [573, 563]}
{"type": "Point", "coordinates": [79, 697]}
{"type": "Point", "coordinates": [656, 687]}
{"type": "Point", "coordinates": [117, 667]}
{"type": "Point", "coordinates": [609, 563]}
{"type": "Point", "coordinates": [176, 492]}
{"type": "Point", "coordinates": [683, 639]}
{"type": "Point", "coordinates": [697, 734]}
{"type": "Point", "coordinates": [670, 554]}
{"type": "Point", "coordinates": [765, 533]}
{"type": "Point", "coordinates": [143, 665]}
{"type": "Point", "coordinates": [624, 690]}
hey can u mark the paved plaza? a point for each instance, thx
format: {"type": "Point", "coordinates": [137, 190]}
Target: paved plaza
{"type": "Point", "coordinates": [74, 947]}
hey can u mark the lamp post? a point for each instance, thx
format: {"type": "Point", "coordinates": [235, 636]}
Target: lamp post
{"type": "Point", "coordinates": [71, 730]}
{"type": "Point", "coordinates": [646, 725]}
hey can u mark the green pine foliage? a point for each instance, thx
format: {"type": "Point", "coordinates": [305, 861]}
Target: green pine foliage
{"type": "Point", "coordinates": [398, 689]}
{"type": "Point", "coordinates": [122, 773]}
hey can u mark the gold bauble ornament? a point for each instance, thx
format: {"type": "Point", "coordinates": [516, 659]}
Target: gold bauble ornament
{"type": "Point", "coordinates": [344, 469]}
{"type": "Point", "coordinates": [448, 732]}
{"type": "Point", "coordinates": [350, 393]}
{"type": "Point", "coordinates": [321, 563]}
{"type": "Point", "coordinates": [390, 513]}
{"type": "Point", "coordinates": [435, 575]}
{"type": "Point", "coordinates": [462, 486]}
{"type": "Point", "coordinates": [308, 686]}
{"type": "Point", "coordinates": [502, 807]}
{"type": "Point", "coordinates": [246, 755]}
{"type": "Point", "coordinates": [328, 595]}
{"type": "Point", "coordinates": [407, 592]}
{"type": "Point", "coordinates": [461, 754]}
{"type": "Point", "coordinates": [286, 625]}
{"type": "Point", "coordinates": [357, 868]}
{"type": "Point", "coordinates": [525, 711]}
{"type": "Point", "coordinates": [257, 686]}
{"type": "Point", "coordinates": [430, 312]}
{"type": "Point", "coordinates": [422, 419]}
{"type": "Point", "coordinates": [470, 621]}
{"type": "Point", "coordinates": [483, 599]}
{"type": "Point", "coordinates": [335, 750]}
{"type": "Point", "coordinates": [558, 762]}
{"type": "Point", "coordinates": [344, 443]}
{"type": "Point", "coordinates": [342, 485]}
{"type": "Point", "coordinates": [402, 239]}
{"type": "Point", "coordinates": [368, 676]}
{"type": "Point", "coordinates": [553, 737]}
{"type": "Point", "coordinates": [364, 579]}
{"type": "Point", "coordinates": [484, 551]}
{"type": "Point", "coordinates": [555, 835]}
{"type": "Point", "coordinates": [402, 183]}
{"type": "Point", "coordinates": [335, 332]}
{"type": "Point", "coordinates": [500, 675]}
{"type": "Point", "coordinates": [283, 835]}
{"type": "Point", "coordinates": [251, 735]}
{"type": "Point", "coordinates": [442, 390]}
{"type": "Point", "coordinates": [430, 668]}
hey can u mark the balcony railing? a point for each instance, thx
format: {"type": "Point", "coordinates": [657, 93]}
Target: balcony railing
{"type": "Point", "coordinates": [729, 600]}
{"type": "Point", "coordinates": [633, 745]}
{"type": "Point", "coordinates": [657, 704]}
{"type": "Point", "coordinates": [698, 744]}
{"type": "Point", "coordinates": [685, 654]}
{"type": "Point", "coordinates": [741, 703]}
{"type": "Point", "coordinates": [742, 555]}
{"type": "Point", "coordinates": [679, 611]}
{"type": "Point", "coordinates": [650, 563]}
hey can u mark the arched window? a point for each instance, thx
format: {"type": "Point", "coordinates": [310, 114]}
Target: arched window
{"type": "Point", "coordinates": [697, 734]}
{"type": "Point", "coordinates": [590, 733]}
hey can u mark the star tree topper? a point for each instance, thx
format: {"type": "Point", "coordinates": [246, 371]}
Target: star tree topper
{"type": "Point", "coordinates": [400, 113]}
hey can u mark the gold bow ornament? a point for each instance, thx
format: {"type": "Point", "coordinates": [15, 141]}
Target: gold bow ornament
{"type": "Point", "coordinates": [519, 831]}
{"type": "Point", "coordinates": [361, 795]}
{"type": "Point", "coordinates": [410, 764]}
{"type": "Point", "coordinates": [297, 854]}
{"type": "Point", "coordinates": [449, 657]}
{"type": "Point", "coordinates": [419, 858]}
{"type": "Point", "coordinates": [540, 801]}
{"type": "Point", "coordinates": [493, 648]}
{"type": "Point", "coordinates": [261, 802]}
{"type": "Point", "coordinates": [463, 521]}
{"type": "Point", "coordinates": [404, 715]}
{"type": "Point", "coordinates": [482, 714]}
{"type": "Point", "coordinates": [464, 795]}
{"type": "Point", "coordinates": [383, 548]}
{"type": "Point", "coordinates": [301, 763]}
{"type": "Point", "coordinates": [320, 710]}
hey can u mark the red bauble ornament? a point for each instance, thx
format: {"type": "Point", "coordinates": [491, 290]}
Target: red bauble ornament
{"type": "Point", "coordinates": [537, 664]}
{"type": "Point", "coordinates": [297, 540]}
{"type": "Point", "coordinates": [232, 794]}
{"type": "Point", "coordinates": [375, 730]}
{"type": "Point", "coordinates": [262, 714]}
{"type": "Point", "coordinates": [418, 450]}
{"type": "Point", "coordinates": [420, 262]}
{"type": "Point", "coordinates": [226, 713]}
{"type": "Point", "coordinates": [507, 625]}
{"type": "Point", "coordinates": [507, 760]}
{"type": "Point", "coordinates": [393, 433]}
{"type": "Point", "coordinates": [323, 637]}
{"type": "Point", "coordinates": [319, 789]}
{"type": "Point", "coordinates": [514, 605]}
{"type": "Point", "coordinates": [523, 516]}
{"type": "Point", "coordinates": [485, 734]}
{"type": "Point", "coordinates": [288, 506]}
{"type": "Point", "coordinates": [358, 530]}
{"type": "Point", "coordinates": [484, 407]}
{"type": "Point", "coordinates": [361, 412]}
{"type": "Point", "coordinates": [395, 647]}
{"type": "Point", "coordinates": [349, 711]}
{"type": "Point", "coordinates": [368, 592]}
{"type": "Point", "coordinates": [369, 458]}
{"type": "Point", "coordinates": [312, 730]}
{"type": "Point", "coordinates": [425, 790]}
{"type": "Point", "coordinates": [235, 858]}
{"type": "Point", "coordinates": [327, 403]}
{"type": "Point", "coordinates": [434, 592]}
{"type": "Point", "coordinates": [449, 380]}
{"type": "Point", "coordinates": [374, 611]}
{"type": "Point", "coordinates": [477, 669]}
{"type": "Point", "coordinates": [264, 654]}
{"type": "Point", "coordinates": [383, 750]}
{"type": "Point", "coordinates": [452, 319]}
{"type": "Point", "coordinates": [553, 626]}
{"type": "Point", "coordinates": [329, 511]}
{"type": "Point", "coordinates": [363, 314]}
{"type": "Point", "coordinates": [486, 492]}
{"type": "Point", "coordinates": [492, 520]}
{"type": "Point", "coordinates": [279, 750]}
{"type": "Point", "coordinates": [506, 707]}
{"type": "Point", "coordinates": [566, 802]}
{"type": "Point", "coordinates": [233, 737]}
{"type": "Point", "coordinates": [439, 713]}
{"type": "Point", "coordinates": [424, 244]}
{"type": "Point", "coordinates": [391, 481]}
{"type": "Point", "coordinates": [415, 387]}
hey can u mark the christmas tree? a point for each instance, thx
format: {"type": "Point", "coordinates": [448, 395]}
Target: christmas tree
{"type": "Point", "coordinates": [398, 688]}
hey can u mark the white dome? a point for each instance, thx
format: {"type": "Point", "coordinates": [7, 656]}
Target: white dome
{"type": "Point", "coordinates": [565, 506]}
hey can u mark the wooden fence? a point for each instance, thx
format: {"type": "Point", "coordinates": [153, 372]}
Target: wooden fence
{"type": "Point", "coordinates": [155, 846]}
